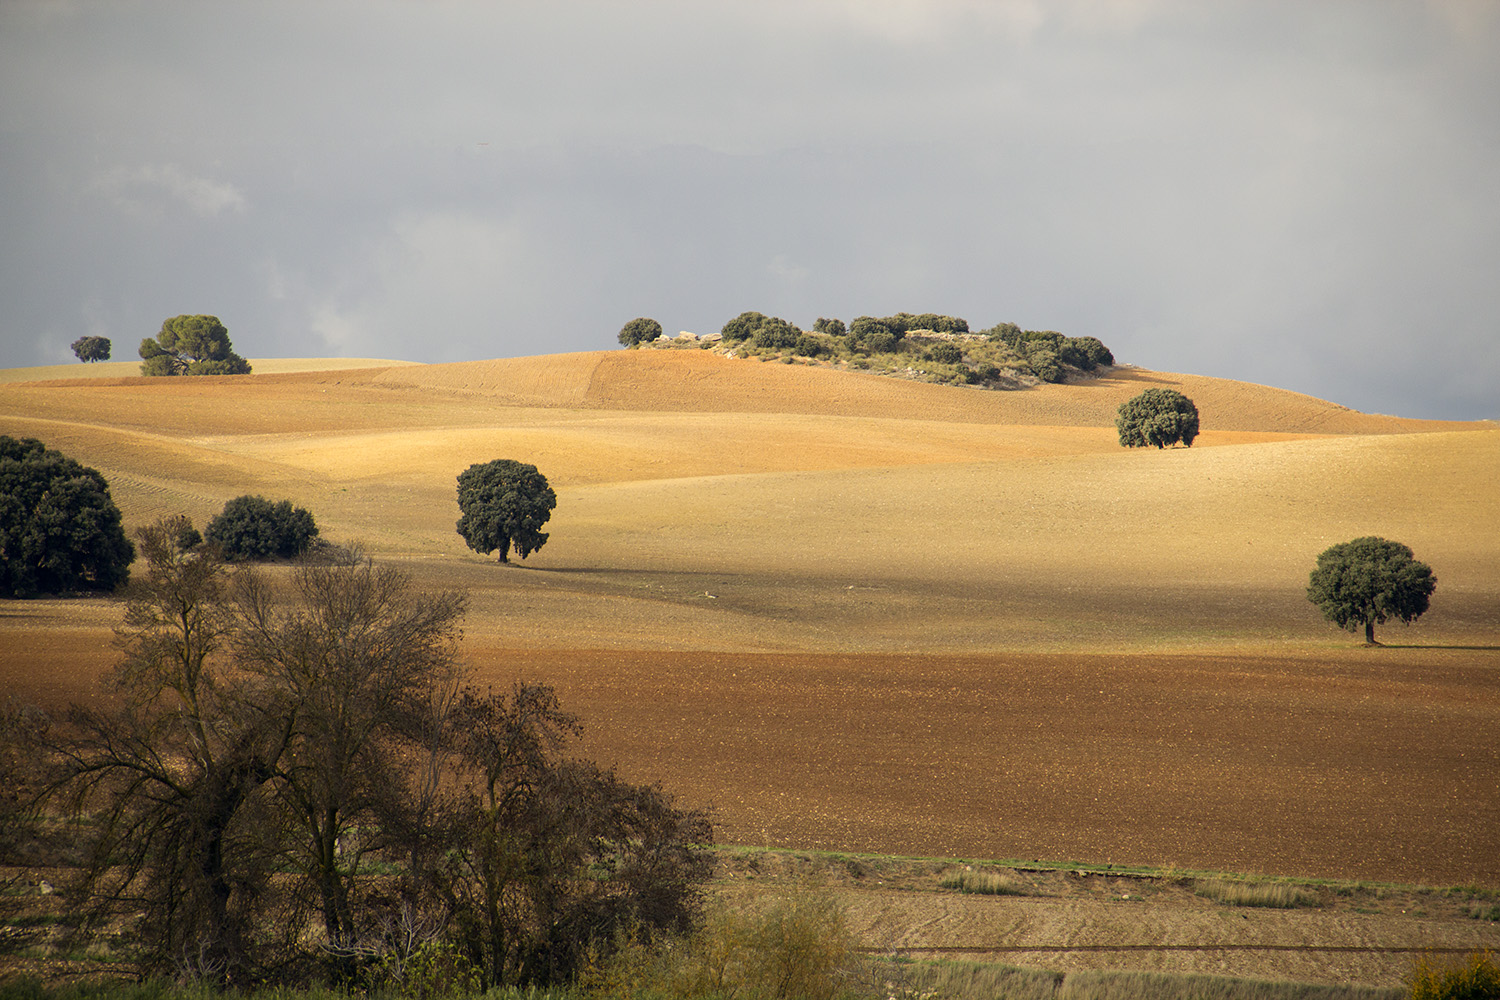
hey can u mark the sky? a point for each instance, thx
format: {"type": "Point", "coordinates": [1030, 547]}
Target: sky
{"type": "Point", "coordinates": [1304, 195]}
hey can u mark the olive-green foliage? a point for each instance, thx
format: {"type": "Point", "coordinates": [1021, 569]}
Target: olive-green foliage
{"type": "Point", "coordinates": [191, 345]}
{"type": "Point", "coordinates": [1368, 581]}
{"type": "Point", "coordinates": [1157, 417]}
{"type": "Point", "coordinates": [60, 530]}
{"type": "Point", "coordinates": [641, 330]}
{"type": "Point", "coordinates": [768, 332]}
{"type": "Point", "coordinates": [1048, 353]}
{"type": "Point", "coordinates": [777, 334]}
{"type": "Point", "coordinates": [798, 948]}
{"type": "Point", "coordinates": [91, 349]}
{"type": "Point", "coordinates": [252, 527]}
{"type": "Point", "coordinates": [830, 327]}
{"type": "Point", "coordinates": [1476, 978]}
{"type": "Point", "coordinates": [504, 502]}
{"type": "Point", "coordinates": [947, 353]}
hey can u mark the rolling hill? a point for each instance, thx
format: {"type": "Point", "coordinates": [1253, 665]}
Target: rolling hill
{"type": "Point", "coordinates": [957, 622]}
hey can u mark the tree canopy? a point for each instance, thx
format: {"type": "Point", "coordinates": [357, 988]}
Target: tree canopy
{"type": "Point", "coordinates": [504, 502]}
{"type": "Point", "coordinates": [191, 345]}
{"type": "Point", "coordinates": [91, 349]}
{"type": "Point", "coordinates": [1368, 581]}
{"type": "Point", "coordinates": [60, 530]}
{"type": "Point", "coordinates": [641, 330]}
{"type": "Point", "coordinates": [252, 527]}
{"type": "Point", "coordinates": [1157, 417]}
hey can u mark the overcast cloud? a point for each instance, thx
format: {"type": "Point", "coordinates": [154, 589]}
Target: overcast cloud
{"type": "Point", "coordinates": [1300, 194]}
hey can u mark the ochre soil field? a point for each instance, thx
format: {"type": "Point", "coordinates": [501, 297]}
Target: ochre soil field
{"type": "Point", "coordinates": [854, 613]}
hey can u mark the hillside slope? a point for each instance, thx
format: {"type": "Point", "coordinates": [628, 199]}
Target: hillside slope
{"type": "Point", "coordinates": [701, 381]}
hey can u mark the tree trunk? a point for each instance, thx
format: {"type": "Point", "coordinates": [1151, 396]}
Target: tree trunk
{"type": "Point", "coordinates": [505, 549]}
{"type": "Point", "coordinates": [1370, 632]}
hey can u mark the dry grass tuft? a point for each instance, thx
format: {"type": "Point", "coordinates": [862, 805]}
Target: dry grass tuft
{"type": "Point", "coordinates": [1275, 895]}
{"type": "Point", "coordinates": [986, 884]}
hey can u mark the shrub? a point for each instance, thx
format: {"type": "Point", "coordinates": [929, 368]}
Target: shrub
{"type": "Point", "coordinates": [1477, 978]}
{"type": "Point", "coordinates": [776, 333]}
{"type": "Point", "coordinates": [1044, 364]}
{"type": "Point", "coordinates": [810, 347]}
{"type": "Point", "coordinates": [641, 330]}
{"type": "Point", "coordinates": [946, 353]}
{"type": "Point", "coordinates": [830, 327]}
{"type": "Point", "coordinates": [742, 327]}
{"type": "Point", "coordinates": [252, 527]}
{"type": "Point", "coordinates": [798, 948]}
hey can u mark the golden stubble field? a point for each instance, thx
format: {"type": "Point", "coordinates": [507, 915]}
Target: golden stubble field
{"type": "Point", "coordinates": [860, 614]}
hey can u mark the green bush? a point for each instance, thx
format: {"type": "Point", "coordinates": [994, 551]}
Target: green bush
{"type": "Point", "coordinates": [776, 333]}
{"type": "Point", "coordinates": [830, 327]}
{"type": "Point", "coordinates": [946, 353]}
{"type": "Point", "coordinates": [798, 948]}
{"type": "Point", "coordinates": [641, 330]}
{"type": "Point", "coordinates": [252, 527]}
{"type": "Point", "coordinates": [1477, 978]}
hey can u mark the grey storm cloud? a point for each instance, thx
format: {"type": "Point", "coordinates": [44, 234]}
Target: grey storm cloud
{"type": "Point", "coordinates": [1296, 194]}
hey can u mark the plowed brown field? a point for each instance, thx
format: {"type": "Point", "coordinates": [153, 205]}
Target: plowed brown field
{"type": "Point", "coordinates": [861, 614]}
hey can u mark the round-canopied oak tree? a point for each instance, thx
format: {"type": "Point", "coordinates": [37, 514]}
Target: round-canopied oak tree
{"type": "Point", "coordinates": [88, 349]}
{"type": "Point", "coordinates": [1157, 417]}
{"type": "Point", "coordinates": [60, 530]}
{"type": "Point", "coordinates": [252, 527]}
{"type": "Point", "coordinates": [641, 330]}
{"type": "Point", "coordinates": [504, 503]}
{"type": "Point", "coordinates": [1369, 581]}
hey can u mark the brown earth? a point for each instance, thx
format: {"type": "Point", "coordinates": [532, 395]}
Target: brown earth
{"type": "Point", "coordinates": [854, 613]}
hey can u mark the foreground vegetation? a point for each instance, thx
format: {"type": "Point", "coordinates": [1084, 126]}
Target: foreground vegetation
{"type": "Point", "coordinates": [294, 783]}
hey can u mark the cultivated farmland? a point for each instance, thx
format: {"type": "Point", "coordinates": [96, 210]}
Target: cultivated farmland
{"type": "Point", "coordinates": [868, 615]}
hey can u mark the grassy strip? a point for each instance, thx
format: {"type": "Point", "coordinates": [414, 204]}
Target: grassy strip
{"type": "Point", "coordinates": [979, 981]}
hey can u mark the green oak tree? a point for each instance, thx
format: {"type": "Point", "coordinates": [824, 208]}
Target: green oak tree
{"type": "Point", "coordinates": [641, 330]}
{"type": "Point", "coordinates": [504, 503]}
{"type": "Point", "coordinates": [91, 349]}
{"type": "Point", "coordinates": [1368, 581]}
{"type": "Point", "coordinates": [60, 530]}
{"type": "Point", "coordinates": [1157, 417]}
{"type": "Point", "coordinates": [252, 527]}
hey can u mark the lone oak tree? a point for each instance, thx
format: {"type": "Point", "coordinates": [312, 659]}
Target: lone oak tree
{"type": "Point", "coordinates": [88, 349]}
{"type": "Point", "coordinates": [504, 502]}
{"type": "Point", "coordinates": [1368, 581]}
{"type": "Point", "coordinates": [1157, 417]}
